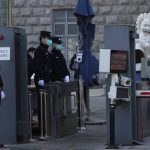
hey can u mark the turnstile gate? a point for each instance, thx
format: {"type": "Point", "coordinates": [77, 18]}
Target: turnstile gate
{"type": "Point", "coordinates": [61, 111]}
{"type": "Point", "coordinates": [125, 113]}
{"type": "Point", "coordinates": [14, 122]}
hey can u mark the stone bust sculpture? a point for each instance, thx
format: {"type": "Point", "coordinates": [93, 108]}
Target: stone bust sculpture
{"type": "Point", "coordinates": [143, 30]}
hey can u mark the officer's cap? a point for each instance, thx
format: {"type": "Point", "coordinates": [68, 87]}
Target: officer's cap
{"type": "Point", "coordinates": [57, 40]}
{"type": "Point", "coordinates": [46, 34]}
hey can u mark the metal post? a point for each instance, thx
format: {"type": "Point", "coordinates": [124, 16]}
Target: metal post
{"type": "Point", "coordinates": [78, 106]}
{"type": "Point", "coordinates": [30, 114]}
{"type": "Point", "coordinates": [52, 114]}
{"type": "Point", "coordinates": [87, 102]}
{"type": "Point", "coordinates": [65, 105]}
{"type": "Point", "coordinates": [45, 99]}
{"type": "Point", "coordinates": [41, 114]}
{"type": "Point", "coordinates": [9, 20]}
{"type": "Point", "coordinates": [73, 102]}
{"type": "Point", "coordinates": [112, 128]}
{"type": "Point", "coordinates": [81, 105]}
{"type": "Point", "coordinates": [0, 97]}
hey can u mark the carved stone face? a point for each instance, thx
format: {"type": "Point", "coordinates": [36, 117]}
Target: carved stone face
{"type": "Point", "coordinates": [145, 25]}
{"type": "Point", "coordinates": [143, 29]}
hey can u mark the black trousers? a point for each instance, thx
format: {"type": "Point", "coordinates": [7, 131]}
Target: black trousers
{"type": "Point", "coordinates": [86, 99]}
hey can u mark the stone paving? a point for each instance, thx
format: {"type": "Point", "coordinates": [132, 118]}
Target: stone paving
{"type": "Point", "coordinates": [93, 138]}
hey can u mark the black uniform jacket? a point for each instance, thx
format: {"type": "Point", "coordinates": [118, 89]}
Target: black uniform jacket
{"type": "Point", "coordinates": [1, 83]}
{"type": "Point", "coordinates": [31, 68]}
{"type": "Point", "coordinates": [42, 64]}
{"type": "Point", "coordinates": [58, 66]}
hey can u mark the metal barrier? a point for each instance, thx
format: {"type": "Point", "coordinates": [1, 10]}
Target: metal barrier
{"type": "Point", "coordinates": [61, 110]}
{"type": "Point", "coordinates": [57, 110]}
{"type": "Point", "coordinates": [81, 124]}
{"type": "Point", "coordinates": [143, 109]}
{"type": "Point", "coordinates": [45, 106]}
{"type": "Point", "coordinates": [43, 113]}
{"type": "Point", "coordinates": [51, 112]}
{"type": "Point", "coordinates": [30, 115]}
{"type": "Point", "coordinates": [43, 123]}
{"type": "Point", "coordinates": [0, 96]}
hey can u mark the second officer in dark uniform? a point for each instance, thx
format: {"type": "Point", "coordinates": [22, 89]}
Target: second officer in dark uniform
{"type": "Point", "coordinates": [58, 63]}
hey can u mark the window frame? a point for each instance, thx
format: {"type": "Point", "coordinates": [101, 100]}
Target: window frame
{"type": "Point", "coordinates": [66, 36]}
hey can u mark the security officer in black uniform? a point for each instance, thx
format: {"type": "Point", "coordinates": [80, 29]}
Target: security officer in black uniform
{"type": "Point", "coordinates": [42, 63]}
{"type": "Point", "coordinates": [60, 73]}
{"type": "Point", "coordinates": [41, 60]}
{"type": "Point", "coordinates": [58, 63]}
{"type": "Point", "coordinates": [31, 67]}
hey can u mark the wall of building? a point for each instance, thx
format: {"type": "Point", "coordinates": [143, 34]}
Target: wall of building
{"type": "Point", "coordinates": [36, 15]}
{"type": "Point", "coordinates": [3, 13]}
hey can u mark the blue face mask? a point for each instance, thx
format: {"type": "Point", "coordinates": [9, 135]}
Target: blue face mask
{"type": "Point", "coordinates": [59, 47]}
{"type": "Point", "coordinates": [49, 42]}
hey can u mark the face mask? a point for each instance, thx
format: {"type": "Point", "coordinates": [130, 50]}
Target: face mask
{"type": "Point", "coordinates": [31, 54]}
{"type": "Point", "coordinates": [49, 42]}
{"type": "Point", "coordinates": [59, 47]}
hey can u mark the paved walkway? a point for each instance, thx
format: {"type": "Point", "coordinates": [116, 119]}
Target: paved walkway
{"type": "Point", "coordinates": [93, 138]}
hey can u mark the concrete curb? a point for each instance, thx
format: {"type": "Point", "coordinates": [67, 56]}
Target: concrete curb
{"type": "Point", "coordinates": [97, 92]}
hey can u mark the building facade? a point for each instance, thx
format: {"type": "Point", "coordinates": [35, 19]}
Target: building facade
{"type": "Point", "coordinates": [5, 13]}
{"type": "Point", "coordinates": [57, 16]}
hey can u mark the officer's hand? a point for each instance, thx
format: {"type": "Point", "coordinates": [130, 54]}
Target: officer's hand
{"type": "Point", "coordinates": [66, 79]}
{"type": "Point", "coordinates": [2, 95]}
{"type": "Point", "coordinates": [41, 83]}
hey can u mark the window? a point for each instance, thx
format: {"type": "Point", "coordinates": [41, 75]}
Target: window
{"type": "Point", "coordinates": [65, 26]}
{"type": "Point", "coordinates": [5, 12]}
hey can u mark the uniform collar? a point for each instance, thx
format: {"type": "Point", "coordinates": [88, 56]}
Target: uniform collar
{"type": "Point", "coordinates": [56, 50]}
{"type": "Point", "coordinates": [44, 46]}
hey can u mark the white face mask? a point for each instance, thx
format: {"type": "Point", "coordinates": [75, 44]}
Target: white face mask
{"type": "Point", "coordinates": [31, 54]}
{"type": "Point", "coordinates": [138, 67]}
